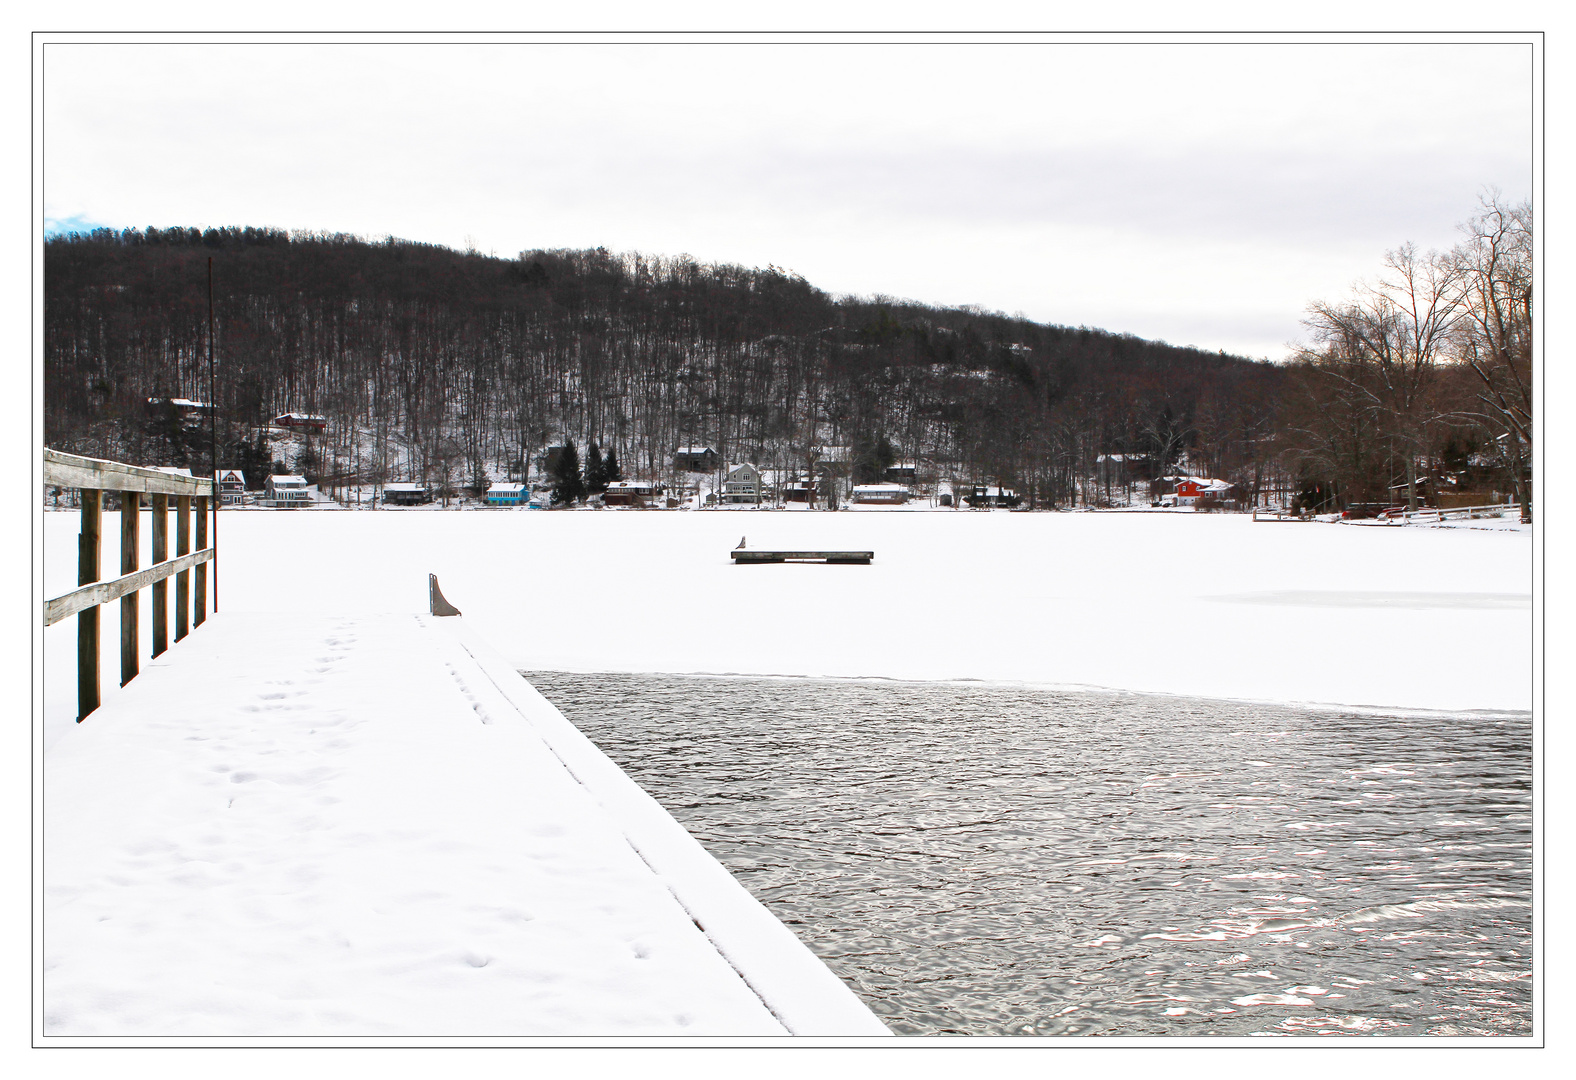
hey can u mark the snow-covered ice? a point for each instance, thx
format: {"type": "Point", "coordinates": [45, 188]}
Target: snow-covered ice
{"type": "Point", "coordinates": [1202, 604]}
{"type": "Point", "coordinates": [362, 825]}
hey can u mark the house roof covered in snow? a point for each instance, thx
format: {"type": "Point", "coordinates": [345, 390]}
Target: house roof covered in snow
{"type": "Point", "coordinates": [283, 480]}
{"type": "Point", "coordinates": [1205, 483]}
{"type": "Point", "coordinates": [404, 487]}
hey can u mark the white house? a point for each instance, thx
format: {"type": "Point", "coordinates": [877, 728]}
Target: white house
{"type": "Point", "coordinates": [743, 485]}
{"type": "Point", "coordinates": [286, 492]}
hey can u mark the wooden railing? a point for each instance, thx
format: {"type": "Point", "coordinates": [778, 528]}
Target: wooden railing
{"type": "Point", "coordinates": [93, 478]}
{"type": "Point", "coordinates": [1494, 510]}
{"type": "Point", "coordinates": [1275, 513]}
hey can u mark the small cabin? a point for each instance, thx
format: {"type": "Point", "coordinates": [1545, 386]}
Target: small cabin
{"type": "Point", "coordinates": [232, 485]}
{"type": "Point", "coordinates": [902, 472]}
{"type": "Point", "coordinates": [286, 492]}
{"type": "Point", "coordinates": [878, 494]}
{"type": "Point", "coordinates": [508, 494]}
{"type": "Point", "coordinates": [742, 485]}
{"type": "Point", "coordinates": [632, 493]}
{"type": "Point", "coordinates": [406, 494]}
{"type": "Point", "coordinates": [301, 420]}
{"type": "Point", "coordinates": [702, 459]}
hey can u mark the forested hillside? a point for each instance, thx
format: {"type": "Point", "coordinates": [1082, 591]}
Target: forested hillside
{"type": "Point", "coordinates": [453, 365]}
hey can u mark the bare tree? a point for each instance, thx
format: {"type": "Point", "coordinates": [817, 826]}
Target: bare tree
{"type": "Point", "coordinates": [1496, 338]}
{"type": "Point", "coordinates": [1397, 331]}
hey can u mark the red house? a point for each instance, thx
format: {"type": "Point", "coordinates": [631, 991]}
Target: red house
{"type": "Point", "coordinates": [1192, 488]}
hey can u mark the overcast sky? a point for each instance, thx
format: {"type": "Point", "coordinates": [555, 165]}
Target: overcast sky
{"type": "Point", "coordinates": [1202, 194]}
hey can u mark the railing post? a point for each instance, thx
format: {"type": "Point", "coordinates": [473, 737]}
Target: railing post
{"type": "Point", "coordinates": [183, 546]}
{"type": "Point", "coordinates": [130, 515]}
{"type": "Point", "coordinates": [161, 588]}
{"type": "Point", "coordinates": [200, 585]}
{"type": "Point", "coordinates": [88, 621]}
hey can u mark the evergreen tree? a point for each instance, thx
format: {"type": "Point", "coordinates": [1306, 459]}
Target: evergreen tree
{"type": "Point", "coordinates": [596, 470]}
{"type": "Point", "coordinates": [611, 473]}
{"type": "Point", "coordinates": [568, 487]}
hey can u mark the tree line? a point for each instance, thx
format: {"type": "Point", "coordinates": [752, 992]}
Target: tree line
{"type": "Point", "coordinates": [463, 365]}
{"type": "Point", "coordinates": [457, 368]}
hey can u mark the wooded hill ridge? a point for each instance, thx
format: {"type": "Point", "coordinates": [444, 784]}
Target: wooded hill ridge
{"type": "Point", "coordinates": [473, 364]}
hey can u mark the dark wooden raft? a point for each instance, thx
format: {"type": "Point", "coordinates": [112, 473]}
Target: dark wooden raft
{"type": "Point", "coordinates": [740, 555]}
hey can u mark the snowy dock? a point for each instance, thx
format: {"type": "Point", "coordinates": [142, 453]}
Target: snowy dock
{"type": "Point", "coordinates": [753, 555]}
{"type": "Point", "coordinates": [307, 825]}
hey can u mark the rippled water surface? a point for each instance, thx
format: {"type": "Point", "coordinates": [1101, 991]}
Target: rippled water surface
{"type": "Point", "coordinates": [1000, 860]}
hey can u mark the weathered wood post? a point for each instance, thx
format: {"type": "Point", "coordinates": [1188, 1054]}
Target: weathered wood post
{"type": "Point", "coordinates": [161, 588]}
{"type": "Point", "coordinates": [200, 586]}
{"type": "Point", "coordinates": [88, 619]}
{"type": "Point", "coordinates": [130, 518]}
{"type": "Point", "coordinates": [183, 546]}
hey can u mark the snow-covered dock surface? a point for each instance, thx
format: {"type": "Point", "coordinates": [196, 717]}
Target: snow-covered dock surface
{"type": "Point", "coordinates": [369, 825]}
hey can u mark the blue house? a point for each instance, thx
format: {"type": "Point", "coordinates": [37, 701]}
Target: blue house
{"type": "Point", "coordinates": [508, 494]}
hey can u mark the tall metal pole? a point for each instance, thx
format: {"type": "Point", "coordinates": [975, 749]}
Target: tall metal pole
{"type": "Point", "coordinates": [213, 439]}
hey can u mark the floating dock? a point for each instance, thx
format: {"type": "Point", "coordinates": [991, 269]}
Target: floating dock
{"type": "Point", "coordinates": [742, 555]}
{"type": "Point", "coordinates": [309, 827]}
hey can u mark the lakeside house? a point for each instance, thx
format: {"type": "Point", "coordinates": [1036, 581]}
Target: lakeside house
{"type": "Point", "coordinates": [702, 459]}
{"type": "Point", "coordinates": [632, 493]}
{"type": "Point", "coordinates": [232, 485]}
{"type": "Point", "coordinates": [902, 472]}
{"type": "Point", "coordinates": [406, 494]}
{"type": "Point", "coordinates": [286, 492]}
{"type": "Point", "coordinates": [1204, 490]}
{"type": "Point", "coordinates": [889, 494]}
{"type": "Point", "coordinates": [505, 493]}
{"type": "Point", "coordinates": [742, 485]}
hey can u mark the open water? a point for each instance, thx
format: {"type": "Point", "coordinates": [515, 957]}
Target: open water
{"type": "Point", "coordinates": [996, 860]}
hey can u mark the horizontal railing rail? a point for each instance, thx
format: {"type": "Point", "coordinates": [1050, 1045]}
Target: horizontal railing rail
{"type": "Point", "coordinates": [69, 470]}
{"type": "Point", "coordinates": [102, 592]}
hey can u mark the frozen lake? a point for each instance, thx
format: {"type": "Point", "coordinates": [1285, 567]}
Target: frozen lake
{"type": "Point", "coordinates": [1211, 605]}
{"type": "Point", "coordinates": [986, 859]}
